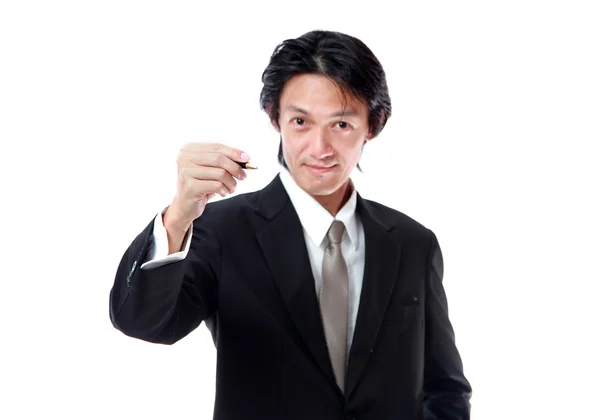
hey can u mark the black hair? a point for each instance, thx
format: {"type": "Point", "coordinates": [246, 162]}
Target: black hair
{"type": "Point", "coordinates": [344, 59]}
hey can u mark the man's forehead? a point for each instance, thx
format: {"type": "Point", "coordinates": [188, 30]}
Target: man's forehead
{"type": "Point", "coordinates": [303, 89]}
{"type": "Point", "coordinates": [348, 111]}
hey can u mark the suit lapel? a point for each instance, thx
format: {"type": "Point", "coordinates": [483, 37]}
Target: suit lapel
{"type": "Point", "coordinates": [281, 238]}
{"type": "Point", "coordinates": [284, 248]}
{"type": "Point", "coordinates": [382, 260]}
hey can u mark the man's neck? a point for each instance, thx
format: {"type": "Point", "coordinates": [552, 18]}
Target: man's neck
{"type": "Point", "coordinates": [334, 202]}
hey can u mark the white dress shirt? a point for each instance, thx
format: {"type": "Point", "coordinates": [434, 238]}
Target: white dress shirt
{"type": "Point", "coordinates": [315, 222]}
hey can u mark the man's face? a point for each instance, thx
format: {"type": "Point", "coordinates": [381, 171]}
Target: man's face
{"type": "Point", "coordinates": [322, 138]}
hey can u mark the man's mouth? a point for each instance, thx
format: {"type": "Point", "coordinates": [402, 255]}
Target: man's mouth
{"type": "Point", "coordinates": [318, 169]}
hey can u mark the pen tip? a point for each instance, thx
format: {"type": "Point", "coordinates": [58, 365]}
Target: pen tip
{"type": "Point", "coordinates": [251, 166]}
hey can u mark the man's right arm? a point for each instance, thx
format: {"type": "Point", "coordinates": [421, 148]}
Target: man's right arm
{"type": "Point", "coordinates": [176, 289]}
{"type": "Point", "coordinates": [169, 295]}
{"type": "Point", "coordinates": [166, 246]}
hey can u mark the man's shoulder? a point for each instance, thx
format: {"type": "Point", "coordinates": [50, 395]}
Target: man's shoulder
{"type": "Point", "coordinates": [397, 219]}
{"type": "Point", "coordinates": [231, 206]}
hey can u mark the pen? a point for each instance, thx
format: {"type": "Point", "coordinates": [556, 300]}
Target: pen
{"type": "Point", "coordinates": [247, 165]}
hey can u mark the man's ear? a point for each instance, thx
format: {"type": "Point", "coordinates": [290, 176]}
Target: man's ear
{"type": "Point", "coordinates": [274, 123]}
{"type": "Point", "coordinates": [371, 135]}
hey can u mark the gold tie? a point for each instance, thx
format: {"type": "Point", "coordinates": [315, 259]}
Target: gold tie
{"type": "Point", "coordinates": [333, 299]}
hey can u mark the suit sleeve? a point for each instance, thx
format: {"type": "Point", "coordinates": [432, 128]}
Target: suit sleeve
{"type": "Point", "coordinates": [447, 392]}
{"type": "Point", "coordinates": [158, 250]}
{"type": "Point", "coordinates": [165, 303]}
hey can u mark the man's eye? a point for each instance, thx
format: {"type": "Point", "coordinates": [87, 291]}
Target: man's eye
{"type": "Point", "coordinates": [342, 124]}
{"type": "Point", "coordinates": [298, 121]}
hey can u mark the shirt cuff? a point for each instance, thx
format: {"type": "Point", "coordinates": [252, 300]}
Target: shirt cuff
{"type": "Point", "coordinates": [158, 251]}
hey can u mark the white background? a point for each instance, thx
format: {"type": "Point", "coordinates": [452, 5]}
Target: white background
{"type": "Point", "coordinates": [492, 145]}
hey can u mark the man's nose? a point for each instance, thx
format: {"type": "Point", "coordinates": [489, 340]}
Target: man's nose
{"type": "Point", "coordinates": [320, 144]}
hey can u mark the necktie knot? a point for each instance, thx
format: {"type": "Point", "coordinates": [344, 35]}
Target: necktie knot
{"type": "Point", "coordinates": [335, 232]}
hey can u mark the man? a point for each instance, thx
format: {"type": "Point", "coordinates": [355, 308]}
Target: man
{"type": "Point", "coordinates": [321, 304]}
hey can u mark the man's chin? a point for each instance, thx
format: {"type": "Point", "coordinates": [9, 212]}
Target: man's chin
{"type": "Point", "coordinates": [321, 187]}
{"type": "Point", "coordinates": [318, 184]}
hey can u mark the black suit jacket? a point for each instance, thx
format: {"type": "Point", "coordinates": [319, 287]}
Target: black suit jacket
{"type": "Point", "coordinates": [248, 276]}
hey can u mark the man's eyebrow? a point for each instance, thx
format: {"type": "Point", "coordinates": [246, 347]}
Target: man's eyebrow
{"type": "Point", "coordinates": [349, 112]}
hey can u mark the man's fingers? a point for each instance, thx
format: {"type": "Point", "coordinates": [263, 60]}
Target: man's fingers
{"type": "Point", "coordinates": [218, 160]}
{"type": "Point", "coordinates": [232, 153]}
{"type": "Point", "coordinates": [209, 174]}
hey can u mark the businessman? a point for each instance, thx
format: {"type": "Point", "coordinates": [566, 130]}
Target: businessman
{"type": "Point", "coordinates": [322, 305]}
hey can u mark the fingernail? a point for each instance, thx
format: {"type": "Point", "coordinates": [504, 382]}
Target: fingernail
{"type": "Point", "coordinates": [245, 157]}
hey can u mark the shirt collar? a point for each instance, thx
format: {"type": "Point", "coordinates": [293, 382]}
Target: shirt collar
{"type": "Point", "coordinates": [314, 218]}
